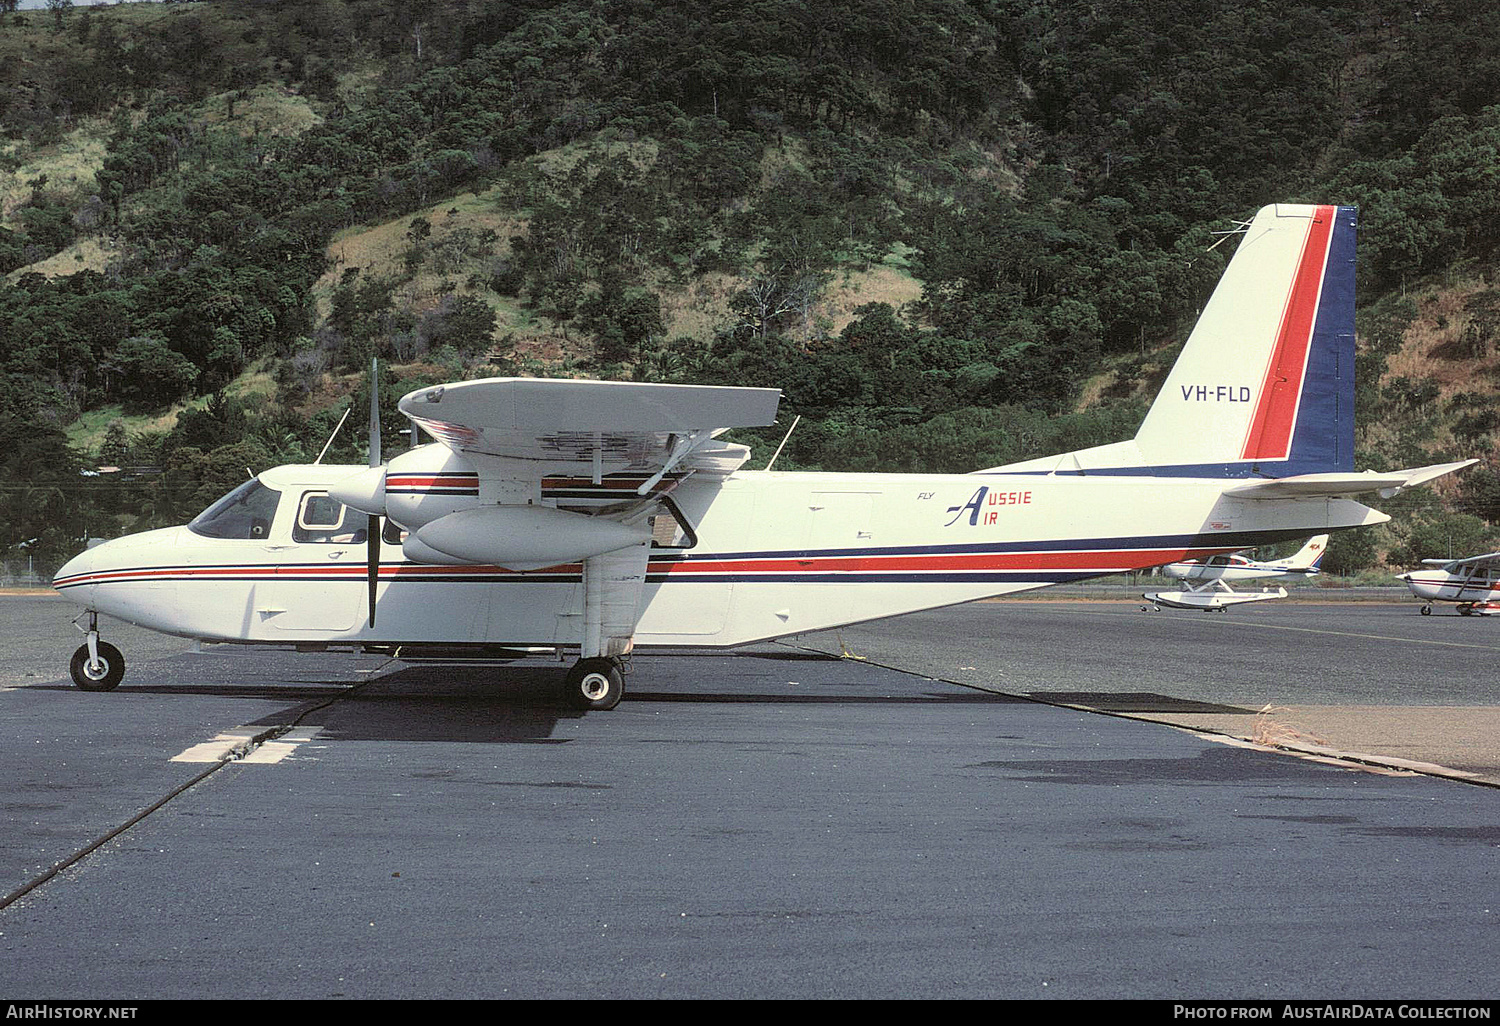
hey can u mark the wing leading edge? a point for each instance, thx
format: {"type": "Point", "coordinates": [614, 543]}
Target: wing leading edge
{"type": "Point", "coordinates": [562, 425]}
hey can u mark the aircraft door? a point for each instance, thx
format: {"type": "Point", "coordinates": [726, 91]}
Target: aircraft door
{"type": "Point", "coordinates": [686, 599]}
{"type": "Point", "coordinates": [319, 584]}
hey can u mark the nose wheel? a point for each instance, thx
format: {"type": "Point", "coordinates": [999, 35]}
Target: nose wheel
{"type": "Point", "coordinates": [595, 684]}
{"type": "Point", "coordinates": [97, 665]}
{"type": "Point", "coordinates": [98, 671]}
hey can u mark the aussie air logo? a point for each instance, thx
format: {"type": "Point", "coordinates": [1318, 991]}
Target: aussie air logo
{"type": "Point", "coordinates": [1215, 393]}
{"type": "Point", "coordinates": [984, 505]}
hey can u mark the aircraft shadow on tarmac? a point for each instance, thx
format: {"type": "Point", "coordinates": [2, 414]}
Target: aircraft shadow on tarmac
{"type": "Point", "coordinates": [524, 705]}
{"type": "Point", "coordinates": [1136, 702]}
{"type": "Point", "coordinates": [514, 704]}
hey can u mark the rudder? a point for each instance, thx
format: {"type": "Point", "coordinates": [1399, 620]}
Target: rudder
{"type": "Point", "coordinates": [1265, 385]}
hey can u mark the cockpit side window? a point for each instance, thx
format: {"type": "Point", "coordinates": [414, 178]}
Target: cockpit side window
{"type": "Point", "coordinates": [246, 512]}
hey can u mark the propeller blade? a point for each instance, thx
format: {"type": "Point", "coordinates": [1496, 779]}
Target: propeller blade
{"type": "Point", "coordinates": [374, 415]}
{"type": "Point", "coordinates": [372, 533]}
{"type": "Point", "coordinates": [372, 550]}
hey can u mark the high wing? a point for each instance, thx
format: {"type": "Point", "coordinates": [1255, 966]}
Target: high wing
{"type": "Point", "coordinates": [512, 446]}
{"type": "Point", "coordinates": [1489, 561]}
{"type": "Point", "coordinates": [601, 427]}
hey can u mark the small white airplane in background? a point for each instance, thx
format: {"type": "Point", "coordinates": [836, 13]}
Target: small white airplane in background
{"type": "Point", "coordinates": [586, 520]}
{"type": "Point", "coordinates": [1208, 579]}
{"type": "Point", "coordinates": [1473, 583]}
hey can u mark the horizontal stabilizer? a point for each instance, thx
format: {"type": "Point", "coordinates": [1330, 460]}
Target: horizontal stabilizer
{"type": "Point", "coordinates": [1313, 486]}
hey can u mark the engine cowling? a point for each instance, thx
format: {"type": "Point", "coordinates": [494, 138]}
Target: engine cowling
{"type": "Point", "coordinates": [415, 488]}
{"type": "Point", "coordinates": [527, 537]}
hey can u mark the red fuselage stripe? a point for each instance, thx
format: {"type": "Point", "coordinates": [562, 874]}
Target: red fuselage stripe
{"type": "Point", "coordinates": [1100, 561]}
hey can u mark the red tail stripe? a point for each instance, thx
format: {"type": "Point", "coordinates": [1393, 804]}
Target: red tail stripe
{"type": "Point", "coordinates": [1270, 434]}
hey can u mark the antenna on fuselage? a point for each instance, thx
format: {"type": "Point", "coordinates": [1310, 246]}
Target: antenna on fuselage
{"type": "Point", "coordinates": [784, 438]}
{"type": "Point", "coordinates": [1241, 227]}
{"type": "Point", "coordinates": [334, 435]}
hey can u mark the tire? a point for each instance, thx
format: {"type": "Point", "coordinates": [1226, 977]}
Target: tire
{"type": "Point", "coordinates": [109, 674]}
{"type": "Point", "coordinates": [595, 684]}
{"type": "Point", "coordinates": [1426, 610]}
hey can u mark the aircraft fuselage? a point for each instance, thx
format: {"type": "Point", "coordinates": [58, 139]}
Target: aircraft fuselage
{"type": "Point", "coordinates": [1441, 586]}
{"type": "Point", "coordinates": [762, 555]}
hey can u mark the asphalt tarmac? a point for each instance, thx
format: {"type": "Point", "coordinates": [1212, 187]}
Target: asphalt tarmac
{"type": "Point", "coordinates": [778, 823]}
{"type": "Point", "coordinates": [1367, 680]}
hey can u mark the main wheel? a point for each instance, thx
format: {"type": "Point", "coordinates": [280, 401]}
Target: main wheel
{"type": "Point", "coordinates": [105, 676]}
{"type": "Point", "coordinates": [1426, 610]}
{"type": "Point", "coordinates": [595, 684]}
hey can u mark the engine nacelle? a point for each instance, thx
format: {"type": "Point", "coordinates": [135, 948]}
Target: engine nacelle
{"type": "Point", "coordinates": [415, 551]}
{"type": "Point", "coordinates": [527, 537]}
{"type": "Point", "coordinates": [428, 483]}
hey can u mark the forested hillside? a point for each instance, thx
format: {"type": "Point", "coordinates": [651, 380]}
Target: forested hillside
{"type": "Point", "coordinates": [955, 233]}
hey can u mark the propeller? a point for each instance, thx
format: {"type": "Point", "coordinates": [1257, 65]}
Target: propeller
{"type": "Point", "coordinates": [372, 534]}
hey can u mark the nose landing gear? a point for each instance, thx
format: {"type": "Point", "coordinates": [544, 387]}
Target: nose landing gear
{"type": "Point", "coordinates": [97, 665]}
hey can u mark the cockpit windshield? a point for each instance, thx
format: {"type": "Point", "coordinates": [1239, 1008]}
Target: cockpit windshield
{"type": "Point", "coordinates": [246, 512]}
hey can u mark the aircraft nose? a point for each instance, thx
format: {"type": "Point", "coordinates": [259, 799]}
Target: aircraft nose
{"type": "Point", "coordinates": [112, 561]}
{"type": "Point", "coordinates": [76, 577]}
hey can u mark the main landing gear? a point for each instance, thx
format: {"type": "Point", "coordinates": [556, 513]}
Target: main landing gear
{"type": "Point", "coordinates": [595, 683]}
{"type": "Point", "coordinates": [97, 665]}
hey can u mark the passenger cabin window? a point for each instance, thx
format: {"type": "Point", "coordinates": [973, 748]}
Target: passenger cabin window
{"type": "Point", "coordinates": [322, 520]}
{"type": "Point", "coordinates": [668, 531]}
{"type": "Point", "coordinates": [247, 512]}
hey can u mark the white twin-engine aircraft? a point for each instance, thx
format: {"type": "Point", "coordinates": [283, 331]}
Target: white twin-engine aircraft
{"type": "Point", "coordinates": [1473, 583]}
{"type": "Point", "coordinates": [1208, 579]}
{"type": "Point", "coordinates": [590, 519]}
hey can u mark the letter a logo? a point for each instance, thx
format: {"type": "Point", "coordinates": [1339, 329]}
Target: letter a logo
{"type": "Point", "coordinates": [972, 506]}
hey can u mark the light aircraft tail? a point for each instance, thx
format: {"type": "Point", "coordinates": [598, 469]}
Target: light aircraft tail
{"type": "Point", "coordinates": [1264, 387]}
{"type": "Point", "coordinates": [1307, 558]}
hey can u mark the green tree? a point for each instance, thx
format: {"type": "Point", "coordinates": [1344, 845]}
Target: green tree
{"type": "Point", "coordinates": [148, 372]}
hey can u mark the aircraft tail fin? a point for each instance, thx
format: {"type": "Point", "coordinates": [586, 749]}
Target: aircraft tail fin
{"type": "Point", "coordinates": [1264, 386]}
{"type": "Point", "coordinates": [1309, 556]}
